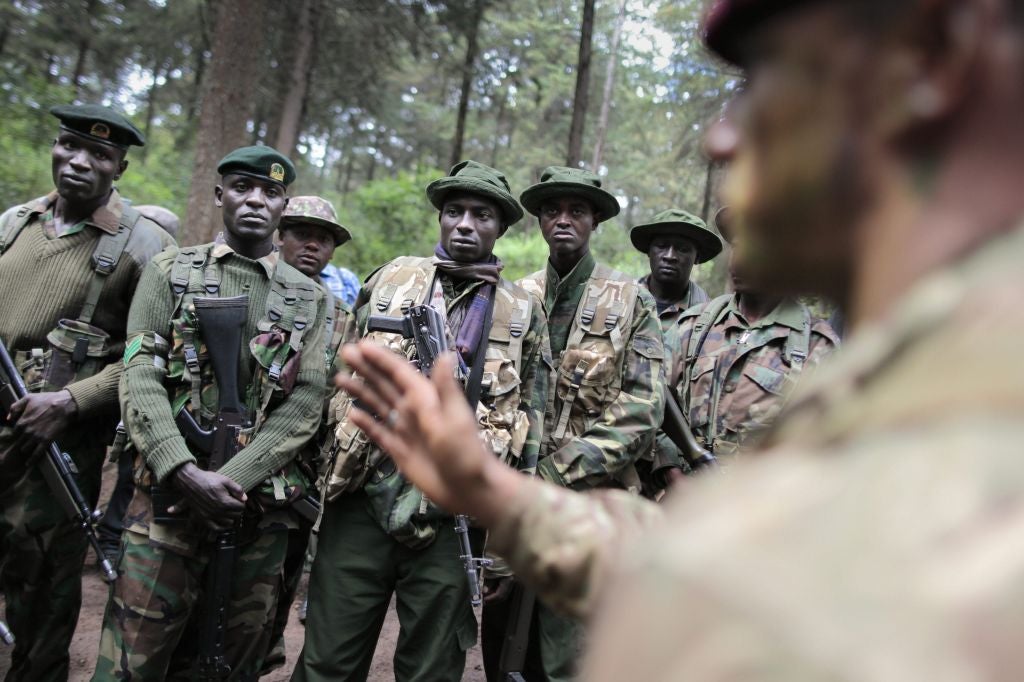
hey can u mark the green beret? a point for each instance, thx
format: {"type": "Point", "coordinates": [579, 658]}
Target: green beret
{"type": "Point", "coordinates": [259, 161]}
{"type": "Point", "coordinates": [476, 178]}
{"type": "Point", "coordinates": [727, 23]}
{"type": "Point", "coordinates": [98, 123]}
{"type": "Point", "coordinates": [314, 211]}
{"type": "Point", "coordinates": [561, 181]}
{"type": "Point", "coordinates": [679, 223]}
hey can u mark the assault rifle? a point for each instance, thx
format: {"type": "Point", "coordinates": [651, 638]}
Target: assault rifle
{"type": "Point", "coordinates": [220, 322]}
{"type": "Point", "coordinates": [677, 428]}
{"type": "Point", "coordinates": [58, 469]}
{"type": "Point", "coordinates": [426, 327]}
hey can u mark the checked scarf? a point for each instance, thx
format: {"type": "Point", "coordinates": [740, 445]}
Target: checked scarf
{"type": "Point", "coordinates": [471, 329]}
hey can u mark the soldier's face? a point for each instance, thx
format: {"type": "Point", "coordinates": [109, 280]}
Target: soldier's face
{"type": "Point", "coordinates": [251, 207]}
{"type": "Point", "coordinates": [307, 248]}
{"type": "Point", "coordinates": [84, 169]}
{"type": "Point", "coordinates": [567, 224]}
{"type": "Point", "coordinates": [796, 141]}
{"type": "Point", "coordinates": [470, 225]}
{"type": "Point", "coordinates": [671, 259]}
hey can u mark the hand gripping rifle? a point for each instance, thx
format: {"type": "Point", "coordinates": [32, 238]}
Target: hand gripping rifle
{"type": "Point", "coordinates": [425, 326]}
{"type": "Point", "coordinates": [220, 322]}
{"type": "Point", "coordinates": [58, 468]}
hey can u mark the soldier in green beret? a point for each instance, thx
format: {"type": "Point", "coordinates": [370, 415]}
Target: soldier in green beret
{"type": "Point", "coordinates": [308, 234]}
{"type": "Point", "coordinates": [607, 395]}
{"type": "Point", "coordinates": [175, 524]}
{"type": "Point", "coordinates": [69, 263]}
{"type": "Point", "coordinates": [380, 536]}
{"type": "Point", "coordinates": [877, 157]}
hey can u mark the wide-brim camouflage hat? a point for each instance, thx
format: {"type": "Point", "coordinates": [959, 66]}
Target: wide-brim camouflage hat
{"type": "Point", "coordinates": [99, 123]}
{"type": "Point", "coordinates": [727, 23]}
{"type": "Point", "coordinates": [310, 210]}
{"type": "Point", "coordinates": [678, 223]}
{"type": "Point", "coordinates": [259, 161]}
{"type": "Point", "coordinates": [476, 178]}
{"type": "Point", "coordinates": [562, 181]}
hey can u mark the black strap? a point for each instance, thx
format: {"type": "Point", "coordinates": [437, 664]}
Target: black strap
{"type": "Point", "coordinates": [473, 384]}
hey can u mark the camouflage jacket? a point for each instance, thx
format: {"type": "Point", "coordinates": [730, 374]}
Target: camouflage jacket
{"type": "Point", "coordinates": [886, 518]}
{"type": "Point", "coordinates": [669, 314]}
{"type": "Point", "coordinates": [513, 385]}
{"type": "Point", "coordinates": [734, 380]}
{"type": "Point", "coordinates": [607, 395]}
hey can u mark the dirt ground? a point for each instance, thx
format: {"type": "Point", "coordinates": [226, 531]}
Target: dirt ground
{"type": "Point", "coordinates": [94, 598]}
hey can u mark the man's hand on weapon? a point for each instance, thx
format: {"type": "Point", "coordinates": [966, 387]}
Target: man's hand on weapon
{"type": "Point", "coordinates": [215, 499]}
{"type": "Point", "coordinates": [40, 418]}
{"type": "Point", "coordinates": [498, 589]}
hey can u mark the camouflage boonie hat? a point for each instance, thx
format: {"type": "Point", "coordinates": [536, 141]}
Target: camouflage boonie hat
{"type": "Point", "coordinates": [677, 222]}
{"type": "Point", "coordinates": [315, 211]}
{"type": "Point", "coordinates": [562, 181]}
{"type": "Point", "coordinates": [728, 22]}
{"type": "Point", "coordinates": [99, 123]}
{"type": "Point", "coordinates": [476, 178]}
{"type": "Point", "coordinates": [259, 161]}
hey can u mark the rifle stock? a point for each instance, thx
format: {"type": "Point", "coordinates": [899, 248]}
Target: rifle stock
{"type": "Point", "coordinates": [59, 471]}
{"type": "Point", "coordinates": [677, 428]}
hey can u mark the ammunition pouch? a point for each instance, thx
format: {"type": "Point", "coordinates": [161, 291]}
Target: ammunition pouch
{"type": "Point", "coordinates": [79, 350]}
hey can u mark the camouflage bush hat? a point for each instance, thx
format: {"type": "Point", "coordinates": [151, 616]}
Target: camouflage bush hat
{"type": "Point", "coordinates": [476, 178]}
{"type": "Point", "coordinates": [727, 23]}
{"type": "Point", "coordinates": [259, 161]}
{"type": "Point", "coordinates": [678, 223]}
{"type": "Point", "coordinates": [315, 211]}
{"type": "Point", "coordinates": [99, 123]}
{"type": "Point", "coordinates": [562, 181]}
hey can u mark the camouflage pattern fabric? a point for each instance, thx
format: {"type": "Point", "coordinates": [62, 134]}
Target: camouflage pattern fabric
{"type": "Point", "coordinates": [885, 516]}
{"type": "Point", "coordinates": [153, 604]}
{"type": "Point", "coordinates": [744, 372]}
{"type": "Point", "coordinates": [670, 314]}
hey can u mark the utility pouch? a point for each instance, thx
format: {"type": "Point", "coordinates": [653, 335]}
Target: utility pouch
{"type": "Point", "coordinates": [33, 365]}
{"type": "Point", "coordinates": [80, 350]}
{"type": "Point", "coordinates": [163, 498]}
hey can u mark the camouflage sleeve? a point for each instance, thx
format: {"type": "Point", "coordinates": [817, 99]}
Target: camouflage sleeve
{"type": "Point", "coordinates": [291, 423]}
{"type": "Point", "coordinates": [561, 543]}
{"type": "Point", "coordinates": [625, 428]}
{"type": "Point", "coordinates": [536, 363]}
{"type": "Point", "coordinates": [146, 410]}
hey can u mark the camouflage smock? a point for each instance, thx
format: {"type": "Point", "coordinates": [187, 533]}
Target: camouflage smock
{"type": "Point", "coordinates": [878, 541]}
{"type": "Point", "coordinates": [743, 373]}
{"type": "Point", "coordinates": [670, 314]}
{"type": "Point", "coordinates": [607, 388]}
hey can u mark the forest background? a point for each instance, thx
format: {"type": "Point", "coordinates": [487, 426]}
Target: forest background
{"type": "Point", "coordinates": [373, 99]}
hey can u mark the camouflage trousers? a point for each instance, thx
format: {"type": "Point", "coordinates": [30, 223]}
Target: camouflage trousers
{"type": "Point", "coordinates": [42, 553]}
{"type": "Point", "coordinates": [300, 543]}
{"type": "Point", "coordinates": [151, 623]}
{"type": "Point", "coordinates": [358, 568]}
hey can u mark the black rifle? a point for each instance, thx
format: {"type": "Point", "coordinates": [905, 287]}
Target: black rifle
{"type": "Point", "coordinates": [677, 428]}
{"type": "Point", "coordinates": [517, 634]}
{"type": "Point", "coordinates": [220, 321]}
{"type": "Point", "coordinates": [5, 634]}
{"type": "Point", "coordinates": [425, 326]}
{"type": "Point", "coordinates": [58, 469]}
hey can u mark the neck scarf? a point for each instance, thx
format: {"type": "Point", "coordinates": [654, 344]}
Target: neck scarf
{"type": "Point", "coordinates": [471, 330]}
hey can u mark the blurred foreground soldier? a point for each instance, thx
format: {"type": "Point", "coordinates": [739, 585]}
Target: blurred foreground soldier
{"type": "Point", "coordinates": [739, 357]}
{"type": "Point", "coordinates": [201, 542]}
{"type": "Point", "coordinates": [674, 242]}
{"type": "Point", "coordinates": [309, 233]}
{"type": "Point", "coordinates": [69, 263]}
{"type": "Point", "coordinates": [877, 157]}
{"type": "Point", "coordinates": [380, 535]}
{"type": "Point", "coordinates": [606, 399]}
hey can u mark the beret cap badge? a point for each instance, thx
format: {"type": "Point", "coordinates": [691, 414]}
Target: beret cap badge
{"type": "Point", "coordinates": [100, 130]}
{"type": "Point", "coordinates": [277, 172]}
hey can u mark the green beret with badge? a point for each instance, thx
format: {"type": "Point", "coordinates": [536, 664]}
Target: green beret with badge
{"type": "Point", "coordinates": [99, 123]}
{"type": "Point", "coordinates": [258, 161]}
{"type": "Point", "coordinates": [676, 222]}
{"type": "Point", "coordinates": [476, 178]}
{"type": "Point", "coordinates": [311, 210]}
{"type": "Point", "coordinates": [561, 181]}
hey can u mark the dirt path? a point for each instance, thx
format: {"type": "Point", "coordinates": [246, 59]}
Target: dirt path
{"type": "Point", "coordinates": [94, 599]}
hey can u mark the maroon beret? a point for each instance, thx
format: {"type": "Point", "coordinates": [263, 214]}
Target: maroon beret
{"type": "Point", "coordinates": [727, 23]}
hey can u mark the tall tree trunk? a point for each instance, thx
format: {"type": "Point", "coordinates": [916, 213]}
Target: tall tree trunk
{"type": "Point", "coordinates": [298, 78]}
{"type": "Point", "coordinates": [84, 42]}
{"type": "Point", "coordinates": [609, 87]}
{"type": "Point", "coordinates": [467, 80]}
{"type": "Point", "coordinates": [580, 100]}
{"type": "Point", "coordinates": [706, 206]}
{"type": "Point", "coordinates": [225, 107]}
{"type": "Point", "coordinates": [499, 123]}
{"type": "Point", "coordinates": [151, 105]}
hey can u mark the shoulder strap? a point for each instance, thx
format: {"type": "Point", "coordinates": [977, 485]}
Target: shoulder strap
{"type": "Point", "coordinates": [595, 311]}
{"type": "Point", "coordinates": [14, 227]}
{"type": "Point", "coordinates": [394, 280]}
{"type": "Point", "coordinates": [512, 317]}
{"type": "Point", "coordinates": [701, 328]}
{"type": "Point", "coordinates": [798, 344]}
{"type": "Point", "coordinates": [105, 257]}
